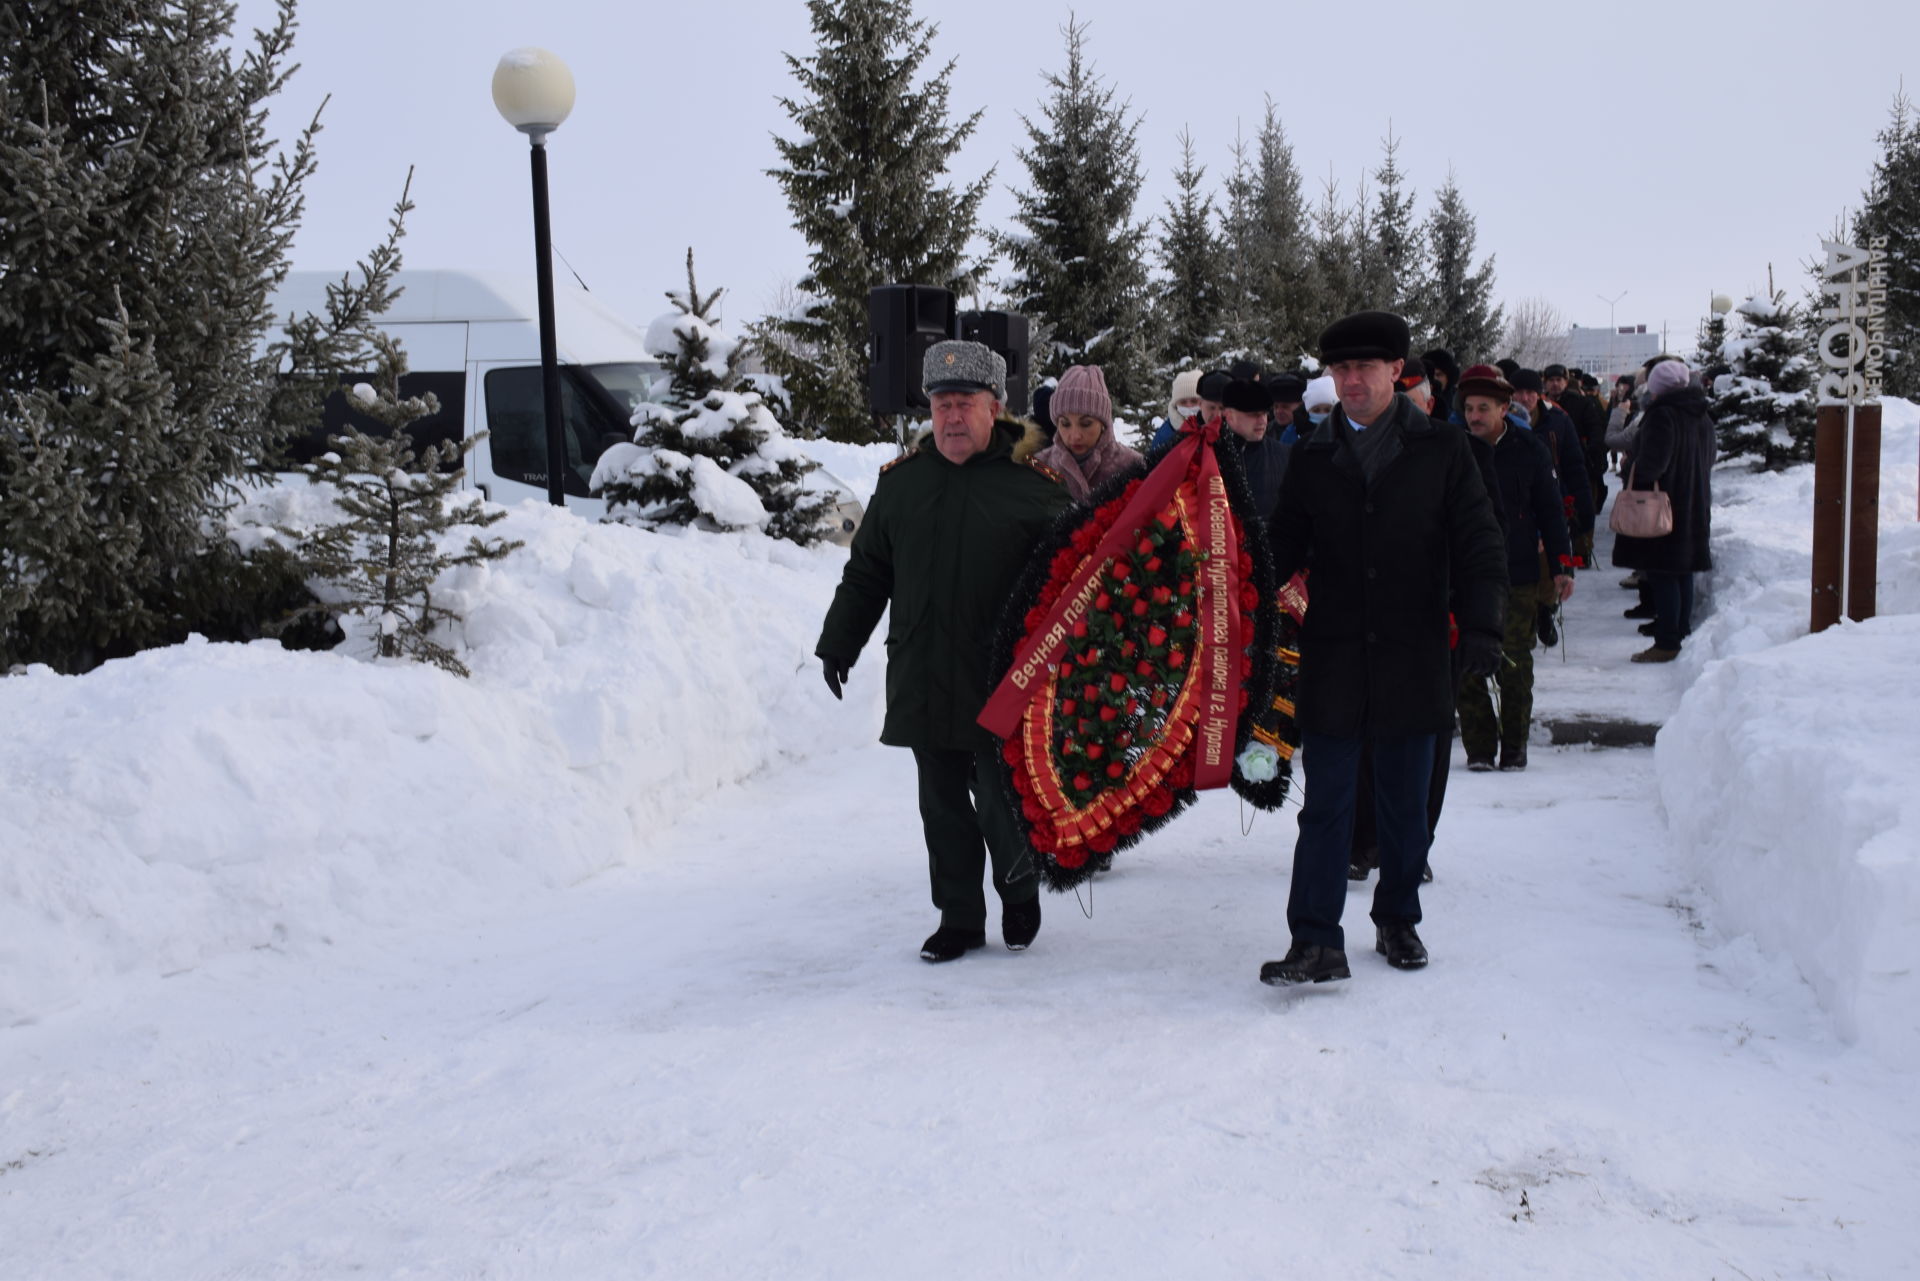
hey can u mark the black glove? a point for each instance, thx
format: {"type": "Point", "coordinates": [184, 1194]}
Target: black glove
{"type": "Point", "coordinates": [1479, 654]}
{"type": "Point", "coordinates": [836, 673]}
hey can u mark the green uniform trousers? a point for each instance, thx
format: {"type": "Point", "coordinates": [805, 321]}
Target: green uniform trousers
{"type": "Point", "coordinates": [1480, 730]}
{"type": "Point", "coordinates": [964, 811]}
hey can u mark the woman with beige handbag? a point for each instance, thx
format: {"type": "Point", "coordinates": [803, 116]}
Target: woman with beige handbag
{"type": "Point", "coordinates": [1662, 519]}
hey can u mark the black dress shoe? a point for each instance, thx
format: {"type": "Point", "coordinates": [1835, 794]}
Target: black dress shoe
{"type": "Point", "coordinates": [1019, 922]}
{"type": "Point", "coordinates": [950, 943]}
{"type": "Point", "coordinates": [1306, 963]}
{"type": "Point", "coordinates": [1648, 629]}
{"type": "Point", "coordinates": [1638, 611]}
{"type": "Point", "coordinates": [1400, 945]}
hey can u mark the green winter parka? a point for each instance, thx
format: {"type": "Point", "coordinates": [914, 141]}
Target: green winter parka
{"type": "Point", "coordinates": [942, 544]}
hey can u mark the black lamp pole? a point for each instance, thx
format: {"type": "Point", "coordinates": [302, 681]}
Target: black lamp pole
{"type": "Point", "coordinates": [549, 345]}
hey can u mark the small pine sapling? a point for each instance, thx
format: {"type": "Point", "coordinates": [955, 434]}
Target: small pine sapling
{"type": "Point", "coordinates": [382, 563]}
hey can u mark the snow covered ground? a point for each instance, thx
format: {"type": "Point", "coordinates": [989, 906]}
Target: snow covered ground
{"type": "Point", "coordinates": [602, 964]}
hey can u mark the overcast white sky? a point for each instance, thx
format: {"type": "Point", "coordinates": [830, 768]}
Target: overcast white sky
{"type": "Point", "coordinates": [1667, 150]}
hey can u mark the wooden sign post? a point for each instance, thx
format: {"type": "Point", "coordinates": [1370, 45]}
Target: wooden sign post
{"type": "Point", "coordinates": [1846, 452]}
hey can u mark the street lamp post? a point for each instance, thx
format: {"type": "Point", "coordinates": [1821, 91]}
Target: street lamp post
{"type": "Point", "coordinates": [534, 91]}
{"type": "Point", "coordinates": [1613, 330]}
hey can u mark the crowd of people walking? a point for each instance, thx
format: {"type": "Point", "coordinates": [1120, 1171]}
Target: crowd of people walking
{"type": "Point", "coordinates": [1441, 515]}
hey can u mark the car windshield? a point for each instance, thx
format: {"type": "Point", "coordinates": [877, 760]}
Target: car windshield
{"type": "Point", "coordinates": [626, 386]}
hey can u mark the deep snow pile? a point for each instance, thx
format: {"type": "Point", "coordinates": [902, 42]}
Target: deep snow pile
{"type": "Point", "coordinates": [1787, 773]}
{"type": "Point", "coordinates": [210, 798]}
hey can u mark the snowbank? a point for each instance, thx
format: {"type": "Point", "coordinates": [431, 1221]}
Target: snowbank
{"type": "Point", "coordinates": [1787, 773]}
{"type": "Point", "coordinates": [206, 799]}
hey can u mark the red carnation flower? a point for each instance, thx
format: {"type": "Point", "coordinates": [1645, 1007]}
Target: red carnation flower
{"type": "Point", "coordinates": [1183, 619]}
{"type": "Point", "coordinates": [1035, 617]}
{"type": "Point", "coordinates": [1157, 635]}
{"type": "Point", "coordinates": [1158, 698]}
{"type": "Point", "coordinates": [1177, 659]}
{"type": "Point", "coordinates": [1122, 568]}
{"type": "Point", "coordinates": [1116, 770]}
{"type": "Point", "coordinates": [1091, 692]}
{"type": "Point", "coordinates": [1116, 682]}
{"type": "Point", "coordinates": [1127, 648]}
{"type": "Point", "coordinates": [1128, 823]}
{"type": "Point", "coordinates": [1133, 707]}
{"type": "Point", "coordinates": [1095, 751]}
{"type": "Point", "coordinates": [1081, 782]}
{"type": "Point", "coordinates": [1118, 622]}
{"type": "Point", "coordinates": [1063, 562]}
{"type": "Point", "coordinates": [1168, 518]}
{"type": "Point", "coordinates": [1033, 810]}
{"type": "Point", "coordinates": [1067, 705]}
{"type": "Point", "coordinates": [1071, 857]}
{"type": "Point", "coordinates": [1186, 587]}
{"type": "Point", "coordinates": [1140, 608]}
{"type": "Point", "coordinates": [1124, 740]}
{"type": "Point", "coordinates": [1153, 566]}
{"type": "Point", "coordinates": [1163, 595]}
{"type": "Point", "coordinates": [1144, 547]}
{"type": "Point", "coordinates": [1102, 842]}
{"type": "Point", "coordinates": [1130, 591]}
{"type": "Point", "coordinates": [1180, 777]}
{"type": "Point", "coordinates": [1080, 630]}
{"type": "Point", "coordinates": [1010, 751]}
{"type": "Point", "coordinates": [1110, 714]}
{"type": "Point", "coordinates": [1103, 602]}
{"type": "Point", "coordinates": [1143, 668]}
{"type": "Point", "coordinates": [1066, 669]}
{"type": "Point", "coordinates": [1246, 564]}
{"type": "Point", "coordinates": [1249, 597]}
{"type": "Point", "coordinates": [1157, 802]}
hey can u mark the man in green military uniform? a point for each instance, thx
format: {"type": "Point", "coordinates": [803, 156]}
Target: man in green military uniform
{"type": "Point", "coordinates": [948, 531]}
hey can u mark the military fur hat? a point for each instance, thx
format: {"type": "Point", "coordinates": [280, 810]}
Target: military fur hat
{"type": "Point", "coordinates": [1247, 396]}
{"type": "Point", "coordinates": [964, 366]}
{"type": "Point", "coordinates": [1365, 335]}
{"type": "Point", "coordinates": [1526, 380]}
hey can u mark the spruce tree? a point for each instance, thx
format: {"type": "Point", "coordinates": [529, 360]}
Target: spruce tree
{"type": "Point", "coordinates": [1079, 267]}
{"type": "Point", "coordinates": [1392, 231]}
{"type": "Point", "coordinates": [1764, 406]}
{"type": "Point", "coordinates": [1336, 260]}
{"type": "Point", "coordinates": [709, 450]}
{"type": "Point", "coordinates": [144, 221]}
{"type": "Point", "coordinates": [1190, 252]}
{"type": "Point", "coordinates": [1891, 208]}
{"type": "Point", "coordinates": [865, 179]}
{"type": "Point", "coordinates": [1272, 314]}
{"type": "Point", "coordinates": [1709, 354]}
{"type": "Point", "coordinates": [1456, 308]}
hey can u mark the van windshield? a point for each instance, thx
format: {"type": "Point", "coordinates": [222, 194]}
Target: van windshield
{"type": "Point", "coordinates": [626, 386]}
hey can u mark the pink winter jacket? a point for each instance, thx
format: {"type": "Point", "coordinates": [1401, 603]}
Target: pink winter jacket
{"type": "Point", "coordinates": [1108, 459]}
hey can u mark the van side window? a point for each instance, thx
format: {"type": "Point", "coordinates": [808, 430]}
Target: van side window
{"type": "Point", "coordinates": [339, 413]}
{"type": "Point", "coordinates": [516, 416]}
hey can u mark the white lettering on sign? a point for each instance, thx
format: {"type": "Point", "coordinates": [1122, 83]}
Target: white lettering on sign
{"type": "Point", "coordinates": [1853, 292]}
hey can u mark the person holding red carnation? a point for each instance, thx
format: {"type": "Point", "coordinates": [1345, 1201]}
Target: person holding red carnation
{"type": "Point", "coordinates": [950, 527]}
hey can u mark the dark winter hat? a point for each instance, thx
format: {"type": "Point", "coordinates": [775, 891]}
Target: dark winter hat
{"type": "Point", "coordinates": [1589, 382]}
{"type": "Point", "coordinates": [1485, 380]}
{"type": "Point", "coordinates": [1509, 367]}
{"type": "Point", "coordinates": [1043, 408]}
{"type": "Point", "coordinates": [964, 366]}
{"type": "Point", "coordinates": [1213, 385]}
{"type": "Point", "coordinates": [1246, 369]}
{"type": "Point", "coordinates": [1412, 374]}
{"type": "Point", "coordinates": [1442, 360]}
{"type": "Point", "coordinates": [1247, 396]}
{"type": "Point", "coordinates": [1083, 390]}
{"type": "Point", "coordinates": [1365, 335]}
{"type": "Point", "coordinates": [1526, 380]}
{"type": "Point", "coordinates": [1554, 371]}
{"type": "Point", "coordinates": [1286, 387]}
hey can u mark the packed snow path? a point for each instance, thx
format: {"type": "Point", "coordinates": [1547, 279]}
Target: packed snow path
{"type": "Point", "coordinates": [724, 1060]}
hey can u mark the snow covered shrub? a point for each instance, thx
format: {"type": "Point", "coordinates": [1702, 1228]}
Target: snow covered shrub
{"type": "Point", "coordinates": [708, 451]}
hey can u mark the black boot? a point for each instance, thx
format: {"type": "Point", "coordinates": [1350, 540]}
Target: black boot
{"type": "Point", "coordinates": [950, 943]}
{"type": "Point", "coordinates": [1019, 922]}
{"type": "Point", "coordinates": [1400, 945]}
{"type": "Point", "coordinates": [1638, 611]}
{"type": "Point", "coordinates": [1306, 963]}
{"type": "Point", "coordinates": [1513, 758]}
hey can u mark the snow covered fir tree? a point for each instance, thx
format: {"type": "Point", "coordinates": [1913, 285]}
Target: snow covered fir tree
{"type": "Point", "coordinates": [145, 217]}
{"type": "Point", "coordinates": [708, 450]}
{"type": "Point", "coordinates": [1891, 209]}
{"type": "Point", "coordinates": [1763, 405]}
{"type": "Point", "coordinates": [866, 179]}
{"type": "Point", "coordinates": [1455, 307]}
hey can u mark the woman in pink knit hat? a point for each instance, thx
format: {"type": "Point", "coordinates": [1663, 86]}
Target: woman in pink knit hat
{"type": "Point", "coordinates": [1084, 450]}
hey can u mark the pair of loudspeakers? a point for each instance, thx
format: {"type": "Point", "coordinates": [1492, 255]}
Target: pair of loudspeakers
{"type": "Point", "coordinates": [905, 320]}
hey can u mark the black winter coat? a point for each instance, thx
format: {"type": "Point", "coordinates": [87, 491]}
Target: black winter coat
{"type": "Point", "coordinates": [1387, 561]}
{"type": "Point", "coordinates": [1530, 499]}
{"type": "Point", "coordinates": [1265, 463]}
{"type": "Point", "coordinates": [943, 544]}
{"type": "Point", "coordinates": [1569, 459]}
{"type": "Point", "coordinates": [1675, 451]}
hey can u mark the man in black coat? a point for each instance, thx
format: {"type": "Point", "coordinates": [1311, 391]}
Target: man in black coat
{"type": "Point", "coordinates": [1247, 410]}
{"type": "Point", "coordinates": [1535, 518]}
{"type": "Point", "coordinates": [1386, 509]}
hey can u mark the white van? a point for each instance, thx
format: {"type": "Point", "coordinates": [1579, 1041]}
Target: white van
{"type": "Point", "coordinates": [473, 339]}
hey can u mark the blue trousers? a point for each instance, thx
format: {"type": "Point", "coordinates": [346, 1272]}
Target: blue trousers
{"type": "Point", "coordinates": [1402, 779]}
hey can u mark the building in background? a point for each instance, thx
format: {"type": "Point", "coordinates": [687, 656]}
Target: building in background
{"type": "Point", "coordinates": [1607, 353]}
